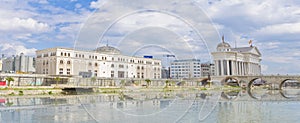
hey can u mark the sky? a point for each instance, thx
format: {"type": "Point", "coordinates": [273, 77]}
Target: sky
{"type": "Point", "coordinates": [188, 29]}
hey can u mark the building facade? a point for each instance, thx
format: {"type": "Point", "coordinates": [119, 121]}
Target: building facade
{"type": "Point", "coordinates": [18, 64]}
{"type": "Point", "coordinates": [188, 68]}
{"type": "Point", "coordinates": [236, 61]}
{"type": "Point", "coordinates": [207, 69]}
{"type": "Point", "coordinates": [106, 61]}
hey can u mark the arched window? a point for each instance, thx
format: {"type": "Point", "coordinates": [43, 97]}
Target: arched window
{"type": "Point", "coordinates": [96, 64]}
{"type": "Point", "coordinates": [61, 61]}
{"type": "Point", "coordinates": [68, 62]}
{"type": "Point", "coordinates": [112, 65]}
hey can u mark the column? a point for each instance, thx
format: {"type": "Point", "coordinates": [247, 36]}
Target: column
{"type": "Point", "coordinates": [233, 67]}
{"type": "Point", "coordinates": [228, 69]}
{"type": "Point", "coordinates": [216, 67]}
{"type": "Point", "coordinates": [222, 71]}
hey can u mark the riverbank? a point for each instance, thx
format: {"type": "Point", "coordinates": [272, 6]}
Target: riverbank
{"type": "Point", "coordinates": [50, 90]}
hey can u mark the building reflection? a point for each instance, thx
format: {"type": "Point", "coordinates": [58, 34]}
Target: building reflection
{"type": "Point", "coordinates": [232, 106]}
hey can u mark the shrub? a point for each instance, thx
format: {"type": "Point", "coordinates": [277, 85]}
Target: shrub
{"type": "Point", "coordinates": [21, 93]}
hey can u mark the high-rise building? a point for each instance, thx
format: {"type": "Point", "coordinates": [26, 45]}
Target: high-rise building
{"type": "Point", "coordinates": [187, 68]}
{"type": "Point", "coordinates": [18, 64]}
{"type": "Point", "coordinates": [236, 61]}
{"type": "Point", "coordinates": [106, 62]}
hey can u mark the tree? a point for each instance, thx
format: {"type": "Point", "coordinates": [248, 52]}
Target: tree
{"type": "Point", "coordinates": [167, 83]}
{"type": "Point", "coordinates": [122, 83]}
{"type": "Point", "coordinates": [148, 81]}
{"type": "Point", "coordinates": [57, 79]}
{"type": "Point", "coordinates": [9, 79]}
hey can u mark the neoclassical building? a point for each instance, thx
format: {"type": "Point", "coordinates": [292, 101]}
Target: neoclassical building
{"type": "Point", "coordinates": [106, 62]}
{"type": "Point", "coordinates": [236, 61]}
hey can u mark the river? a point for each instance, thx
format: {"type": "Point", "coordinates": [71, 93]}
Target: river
{"type": "Point", "coordinates": [256, 106]}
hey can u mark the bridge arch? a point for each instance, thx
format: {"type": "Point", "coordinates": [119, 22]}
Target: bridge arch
{"type": "Point", "coordinates": [251, 82]}
{"type": "Point", "coordinates": [286, 80]}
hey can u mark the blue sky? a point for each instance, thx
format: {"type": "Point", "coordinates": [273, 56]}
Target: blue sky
{"type": "Point", "coordinates": [274, 26]}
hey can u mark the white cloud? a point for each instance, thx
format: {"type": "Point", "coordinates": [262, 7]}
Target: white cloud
{"type": "Point", "coordinates": [279, 29]}
{"type": "Point", "coordinates": [23, 25]}
{"type": "Point", "coordinates": [16, 49]}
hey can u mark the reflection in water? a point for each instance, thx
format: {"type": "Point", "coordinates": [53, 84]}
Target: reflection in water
{"type": "Point", "coordinates": [233, 107]}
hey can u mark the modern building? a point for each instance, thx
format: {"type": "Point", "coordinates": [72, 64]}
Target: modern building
{"type": "Point", "coordinates": [236, 61]}
{"type": "Point", "coordinates": [165, 73]}
{"type": "Point", "coordinates": [18, 64]}
{"type": "Point", "coordinates": [207, 69]}
{"type": "Point", "coordinates": [187, 68]}
{"type": "Point", "coordinates": [106, 62]}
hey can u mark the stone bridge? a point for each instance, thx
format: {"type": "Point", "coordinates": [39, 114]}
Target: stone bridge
{"type": "Point", "coordinates": [275, 81]}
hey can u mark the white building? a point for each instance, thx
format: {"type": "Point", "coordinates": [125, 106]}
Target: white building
{"type": "Point", "coordinates": [105, 62]}
{"type": "Point", "coordinates": [19, 64]}
{"type": "Point", "coordinates": [236, 61]}
{"type": "Point", "coordinates": [188, 68]}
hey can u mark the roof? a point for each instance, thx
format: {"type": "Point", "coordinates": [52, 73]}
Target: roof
{"type": "Point", "coordinates": [245, 49]}
{"type": "Point", "coordinates": [108, 50]}
{"type": "Point", "coordinates": [242, 49]}
{"type": "Point", "coordinates": [223, 44]}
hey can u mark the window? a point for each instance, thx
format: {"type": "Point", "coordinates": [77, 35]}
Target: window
{"type": "Point", "coordinates": [69, 54]}
{"type": "Point", "coordinates": [61, 62]}
{"type": "Point", "coordinates": [112, 65]}
{"type": "Point", "coordinates": [90, 64]}
{"type": "Point", "coordinates": [95, 73]}
{"type": "Point", "coordinates": [61, 71]}
{"type": "Point", "coordinates": [68, 71]}
{"type": "Point", "coordinates": [68, 62]}
{"type": "Point", "coordinates": [61, 54]}
{"type": "Point", "coordinates": [112, 74]}
{"type": "Point", "coordinates": [96, 64]}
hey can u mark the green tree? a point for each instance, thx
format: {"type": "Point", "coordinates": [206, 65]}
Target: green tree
{"type": "Point", "coordinates": [93, 79]}
{"type": "Point", "coordinates": [122, 83]}
{"type": "Point", "coordinates": [148, 81]}
{"type": "Point", "coordinates": [182, 83]}
{"type": "Point", "coordinates": [57, 79]}
{"type": "Point", "coordinates": [167, 83]}
{"type": "Point", "coordinates": [9, 79]}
